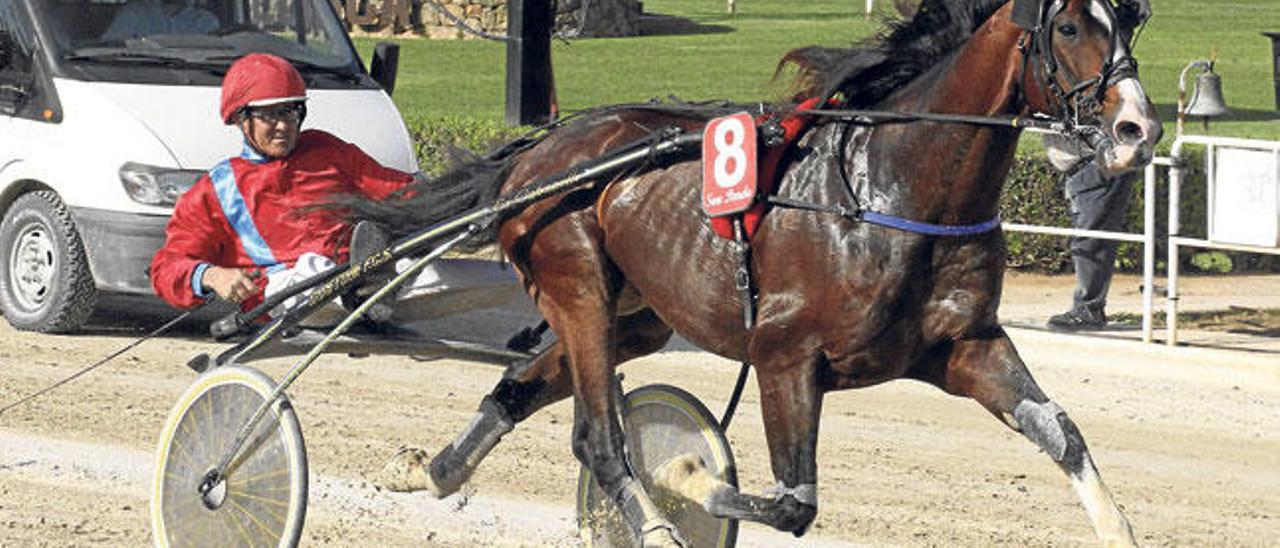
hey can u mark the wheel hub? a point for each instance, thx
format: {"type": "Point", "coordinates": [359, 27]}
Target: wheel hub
{"type": "Point", "coordinates": [214, 496]}
{"type": "Point", "coordinates": [32, 266]}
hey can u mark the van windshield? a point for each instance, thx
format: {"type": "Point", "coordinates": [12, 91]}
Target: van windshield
{"type": "Point", "coordinates": [191, 41]}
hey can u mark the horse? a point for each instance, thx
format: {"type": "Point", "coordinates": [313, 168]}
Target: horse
{"type": "Point", "coordinates": [840, 302]}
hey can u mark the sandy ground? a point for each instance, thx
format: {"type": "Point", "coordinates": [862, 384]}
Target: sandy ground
{"type": "Point", "coordinates": [1188, 440]}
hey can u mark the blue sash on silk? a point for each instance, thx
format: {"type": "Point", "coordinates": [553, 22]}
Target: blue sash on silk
{"type": "Point", "coordinates": [237, 211]}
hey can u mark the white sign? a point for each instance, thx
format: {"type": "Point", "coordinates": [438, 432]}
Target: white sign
{"type": "Point", "coordinates": [1245, 201]}
{"type": "Point", "coordinates": [729, 165]}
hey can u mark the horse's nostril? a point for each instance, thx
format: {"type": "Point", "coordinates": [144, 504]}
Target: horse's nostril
{"type": "Point", "coordinates": [1129, 133]}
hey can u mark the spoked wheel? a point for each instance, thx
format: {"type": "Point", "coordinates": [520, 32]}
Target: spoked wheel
{"type": "Point", "coordinates": [263, 500]}
{"type": "Point", "coordinates": [662, 422]}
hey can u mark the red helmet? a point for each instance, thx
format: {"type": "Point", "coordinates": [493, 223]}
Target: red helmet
{"type": "Point", "coordinates": [260, 79]}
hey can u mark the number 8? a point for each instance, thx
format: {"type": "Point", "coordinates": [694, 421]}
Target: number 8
{"type": "Point", "coordinates": [728, 140]}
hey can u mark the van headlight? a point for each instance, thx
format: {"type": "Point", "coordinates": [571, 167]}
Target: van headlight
{"type": "Point", "coordinates": [160, 186]}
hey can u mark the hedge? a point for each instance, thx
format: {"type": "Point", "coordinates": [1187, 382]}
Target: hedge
{"type": "Point", "coordinates": [1033, 194]}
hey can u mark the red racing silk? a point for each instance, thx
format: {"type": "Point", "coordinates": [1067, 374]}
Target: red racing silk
{"type": "Point", "coordinates": [251, 212]}
{"type": "Point", "coordinates": [793, 125]}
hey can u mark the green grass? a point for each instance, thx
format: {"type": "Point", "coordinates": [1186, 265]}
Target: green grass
{"type": "Point", "coordinates": [464, 79]}
{"type": "Point", "coordinates": [1249, 321]}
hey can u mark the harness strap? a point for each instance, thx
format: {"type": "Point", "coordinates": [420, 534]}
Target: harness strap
{"type": "Point", "coordinates": [930, 228]}
{"type": "Point", "coordinates": [742, 275]}
{"type": "Point", "coordinates": [805, 493]}
{"type": "Point", "coordinates": [890, 221]}
{"type": "Point", "coordinates": [838, 209]}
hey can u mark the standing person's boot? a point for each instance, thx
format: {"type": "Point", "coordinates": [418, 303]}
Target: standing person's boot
{"type": "Point", "coordinates": [367, 240]}
{"type": "Point", "coordinates": [1079, 319]}
{"type": "Point", "coordinates": [1098, 202]}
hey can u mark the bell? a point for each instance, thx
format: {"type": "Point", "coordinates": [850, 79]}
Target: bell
{"type": "Point", "coordinates": [1206, 99]}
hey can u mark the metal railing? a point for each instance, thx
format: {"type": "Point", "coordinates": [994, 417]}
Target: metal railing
{"type": "Point", "coordinates": [1175, 240]}
{"type": "Point", "coordinates": [1147, 238]}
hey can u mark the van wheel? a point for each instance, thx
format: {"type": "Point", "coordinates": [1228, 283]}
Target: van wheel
{"type": "Point", "coordinates": [45, 283]}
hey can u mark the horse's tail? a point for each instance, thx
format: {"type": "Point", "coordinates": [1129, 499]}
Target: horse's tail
{"type": "Point", "coordinates": [472, 181]}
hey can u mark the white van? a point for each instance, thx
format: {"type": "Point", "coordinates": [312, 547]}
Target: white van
{"type": "Point", "coordinates": [109, 112]}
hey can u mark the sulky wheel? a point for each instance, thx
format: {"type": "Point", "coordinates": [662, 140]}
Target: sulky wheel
{"type": "Point", "coordinates": [263, 500]}
{"type": "Point", "coordinates": [662, 422]}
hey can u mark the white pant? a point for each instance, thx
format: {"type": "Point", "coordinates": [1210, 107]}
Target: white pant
{"type": "Point", "coordinates": [444, 287]}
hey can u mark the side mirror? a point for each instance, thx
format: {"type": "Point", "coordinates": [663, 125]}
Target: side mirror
{"type": "Point", "coordinates": [385, 65]}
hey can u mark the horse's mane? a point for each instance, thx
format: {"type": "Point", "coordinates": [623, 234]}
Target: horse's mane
{"type": "Point", "coordinates": [871, 69]}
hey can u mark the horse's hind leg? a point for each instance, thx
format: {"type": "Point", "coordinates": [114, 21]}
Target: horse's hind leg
{"type": "Point", "coordinates": [989, 370]}
{"type": "Point", "coordinates": [525, 388]}
{"type": "Point", "coordinates": [598, 439]}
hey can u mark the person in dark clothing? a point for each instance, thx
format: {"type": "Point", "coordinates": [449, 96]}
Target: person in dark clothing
{"type": "Point", "coordinates": [1098, 202]}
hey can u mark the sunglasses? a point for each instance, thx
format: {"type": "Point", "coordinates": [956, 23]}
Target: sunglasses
{"type": "Point", "coordinates": [292, 113]}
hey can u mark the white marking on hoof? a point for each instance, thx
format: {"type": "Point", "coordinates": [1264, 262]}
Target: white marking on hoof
{"type": "Point", "coordinates": [407, 471]}
{"type": "Point", "coordinates": [1108, 521]}
{"type": "Point", "coordinates": [687, 476]}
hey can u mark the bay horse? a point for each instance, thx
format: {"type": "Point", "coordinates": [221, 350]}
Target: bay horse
{"type": "Point", "coordinates": [842, 303]}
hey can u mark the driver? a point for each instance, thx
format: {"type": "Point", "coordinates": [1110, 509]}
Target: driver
{"type": "Point", "coordinates": [249, 224]}
{"type": "Point", "coordinates": [141, 18]}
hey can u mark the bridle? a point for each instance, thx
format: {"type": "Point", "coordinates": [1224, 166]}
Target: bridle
{"type": "Point", "coordinates": [1074, 107]}
{"type": "Point", "coordinates": [1080, 100]}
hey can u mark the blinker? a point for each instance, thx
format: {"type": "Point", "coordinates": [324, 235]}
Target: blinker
{"type": "Point", "coordinates": [1026, 13]}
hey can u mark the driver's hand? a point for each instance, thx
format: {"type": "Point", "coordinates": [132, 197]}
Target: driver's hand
{"type": "Point", "coordinates": [232, 284]}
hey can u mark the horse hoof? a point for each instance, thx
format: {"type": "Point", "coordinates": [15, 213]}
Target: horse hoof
{"type": "Point", "coordinates": [406, 472]}
{"type": "Point", "coordinates": [687, 476]}
{"type": "Point", "coordinates": [441, 488]}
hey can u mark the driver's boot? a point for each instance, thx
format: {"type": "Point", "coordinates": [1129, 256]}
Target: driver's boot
{"type": "Point", "coordinates": [369, 239]}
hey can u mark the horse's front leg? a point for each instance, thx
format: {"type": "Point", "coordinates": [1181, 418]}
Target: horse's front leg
{"type": "Point", "coordinates": [989, 370]}
{"type": "Point", "coordinates": [791, 403]}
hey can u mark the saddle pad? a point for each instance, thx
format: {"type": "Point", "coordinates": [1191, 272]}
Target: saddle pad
{"type": "Point", "coordinates": [793, 125]}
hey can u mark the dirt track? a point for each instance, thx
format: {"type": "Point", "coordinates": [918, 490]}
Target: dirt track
{"type": "Point", "coordinates": [1190, 450]}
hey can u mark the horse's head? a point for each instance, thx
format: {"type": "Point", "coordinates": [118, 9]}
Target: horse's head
{"type": "Point", "coordinates": [1082, 70]}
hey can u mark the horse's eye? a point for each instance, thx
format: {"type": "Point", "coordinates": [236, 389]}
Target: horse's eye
{"type": "Point", "coordinates": [1067, 30]}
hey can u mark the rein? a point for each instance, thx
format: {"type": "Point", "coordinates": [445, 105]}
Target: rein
{"type": "Point", "coordinates": [1034, 123]}
{"type": "Point", "coordinates": [857, 213]}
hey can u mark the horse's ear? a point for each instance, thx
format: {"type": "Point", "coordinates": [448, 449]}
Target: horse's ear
{"type": "Point", "coordinates": [1026, 13]}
